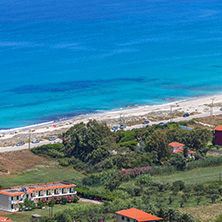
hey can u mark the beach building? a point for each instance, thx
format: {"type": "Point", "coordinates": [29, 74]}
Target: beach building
{"type": "Point", "coordinates": [5, 219]}
{"type": "Point", "coordinates": [217, 136]}
{"type": "Point", "coordinates": [10, 198]}
{"type": "Point", "coordinates": [135, 215]}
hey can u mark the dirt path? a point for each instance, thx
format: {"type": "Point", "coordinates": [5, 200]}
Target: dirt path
{"type": "Point", "coordinates": [89, 201]}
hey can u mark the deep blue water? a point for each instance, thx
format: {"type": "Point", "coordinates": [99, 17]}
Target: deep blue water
{"type": "Point", "coordinates": [64, 58]}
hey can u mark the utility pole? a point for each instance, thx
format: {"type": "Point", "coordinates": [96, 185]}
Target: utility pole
{"type": "Point", "coordinates": [211, 107]}
{"type": "Point", "coordinates": [171, 108]}
{"type": "Point", "coordinates": [29, 139]}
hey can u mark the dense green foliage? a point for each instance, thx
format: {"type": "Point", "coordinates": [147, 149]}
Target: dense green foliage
{"type": "Point", "coordinates": [110, 159]}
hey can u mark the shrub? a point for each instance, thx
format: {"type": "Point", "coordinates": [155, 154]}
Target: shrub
{"type": "Point", "coordinates": [211, 161]}
{"type": "Point", "coordinates": [143, 179]}
{"type": "Point", "coordinates": [137, 171]}
{"type": "Point", "coordinates": [64, 162]}
{"type": "Point", "coordinates": [179, 184]}
{"type": "Point", "coordinates": [64, 200]}
{"type": "Point", "coordinates": [40, 204]}
{"type": "Point", "coordinates": [75, 199]}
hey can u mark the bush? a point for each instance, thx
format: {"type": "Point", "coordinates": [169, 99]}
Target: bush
{"type": "Point", "coordinates": [91, 194]}
{"type": "Point", "coordinates": [75, 199]}
{"type": "Point", "coordinates": [64, 200]}
{"type": "Point", "coordinates": [158, 170]}
{"type": "Point", "coordinates": [143, 179]}
{"type": "Point", "coordinates": [40, 204]}
{"type": "Point", "coordinates": [179, 184]}
{"type": "Point", "coordinates": [64, 162]}
{"type": "Point", "coordinates": [211, 161]}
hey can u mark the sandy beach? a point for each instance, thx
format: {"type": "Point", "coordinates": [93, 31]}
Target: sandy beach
{"type": "Point", "coordinates": [196, 107]}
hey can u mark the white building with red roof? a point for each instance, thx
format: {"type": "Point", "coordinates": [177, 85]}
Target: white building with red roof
{"type": "Point", "coordinates": [176, 145]}
{"type": "Point", "coordinates": [135, 215]}
{"type": "Point", "coordinates": [10, 198]}
{"type": "Point", "coordinates": [5, 219]}
{"type": "Point", "coordinates": [179, 148]}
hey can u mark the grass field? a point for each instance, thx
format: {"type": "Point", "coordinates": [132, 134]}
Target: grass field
{"type": "Point", "coordinates": [195, 176]}
{"type": "Point", "coordinates": [204, 213]}
{"type": "Point", "coordinates": [25, 216]}
{"type": "Point", "coordinates": [201, 175]}
{"type": "Point", "coordinates": [50, 172]}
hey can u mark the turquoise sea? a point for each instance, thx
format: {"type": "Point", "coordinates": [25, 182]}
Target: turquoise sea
{"type": "Point", "coordinates": [64, 58]}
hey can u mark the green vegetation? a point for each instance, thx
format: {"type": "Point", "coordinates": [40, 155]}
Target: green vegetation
{"type": "Point", "coordinates": [132, 169]}
{"type": "Point", "coordinates": [51, 172]}
{"type": "Point", "coordinates": [26, 215]}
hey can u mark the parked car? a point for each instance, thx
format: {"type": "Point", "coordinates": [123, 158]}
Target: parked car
{"type": "Point", "coordinates": [57, 142]}
{"type": "Point", "coordinates": [122, 126]}
{"type": "Point", "coordinates": [35, 141]}
{"type": "Point", "coordinates": [186, 115]}
{"type": "Point", "coordinates": [161, 123]}
{"type": "Point", "coordinates": [115, 128]}
{"type": "Point", "coordinates": [146, 122]}
{"type": "Point", "coordinates": [52, 138]}
{"type": "Point", "coordinates": [20, 144]}
{"type": "Point", "coordinates": [220, 109]}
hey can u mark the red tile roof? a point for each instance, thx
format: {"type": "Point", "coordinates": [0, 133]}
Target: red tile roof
{"type": "Point", "coordinates": [218, 128]}
{"type": "Point", "coordinates": [138, 215]}
{"type": "Point", "coordinates": [176, 144]}
{"type": "Point", "coordinates": [191, 152]}
{"type": "Point", "coordinates": [5, 219]}
{"type": "Point", "coordinates": [179, 151]}
{"type": "Point", "coordinates": [35, 189]}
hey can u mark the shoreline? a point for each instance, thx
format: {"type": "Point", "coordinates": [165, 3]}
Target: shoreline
{"type": "Point", "coordinates": [135, 110]}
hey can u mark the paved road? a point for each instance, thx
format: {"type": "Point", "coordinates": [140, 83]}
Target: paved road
{"type": "Point", "coordinates": [177, 119]}
{"type": "Point", "coordinates": [44, 142]}
{"type": "Point", "coordinates": [26, 146]}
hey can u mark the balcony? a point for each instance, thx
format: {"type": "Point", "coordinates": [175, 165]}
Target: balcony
{"type": "Point", "coordinates": [16, 201]}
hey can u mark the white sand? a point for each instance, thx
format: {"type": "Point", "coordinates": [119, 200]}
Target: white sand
{"type": "Point", "coordinates": [197, 105]}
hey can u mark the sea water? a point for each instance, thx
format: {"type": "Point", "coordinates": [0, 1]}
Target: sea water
{"type": "Point", "coordinates": [66, 58]}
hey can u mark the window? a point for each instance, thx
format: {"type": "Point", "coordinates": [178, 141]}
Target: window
{"type": "Point", "coordinates": [17, 197]}
{"type": "Point", "coordinates": [128, 220]}
{"type": "Point", "coordinates": [11, 198]}
{"type": "Point", "coordinates": [12, 206]}
{"type": "Point", "coordinates": [123, 218]}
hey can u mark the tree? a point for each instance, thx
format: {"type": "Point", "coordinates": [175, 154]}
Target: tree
{"type": "Point", "coordinates": [180, 184]}
{"type": "Point", "coordinates": [214, 197]}
{"type": "Point", "coordinates": [185, 151]}
{"type": "Point", "coordinates": [198, 199]}
{"type": "Point", "coordinates": [171, 199]}
{"type": "Point", "coordinates": [158, 142]}
{"type": "Point", "coordinates": [40, 204]}
{"type": "Point", "coordinates": [86, 139]}
{"type": "Point", "coordinates": [29, 204]}
{"type": "Point", "coordinates": [64, 200]}
{"type": "Point", "coordinates": [63, 217]}
{"type": "Point", "coordinates": [186, 218]}
{"type": "Point", "coordinates": [178, 161]}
